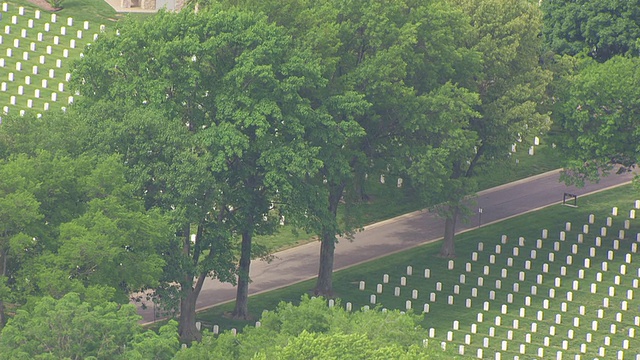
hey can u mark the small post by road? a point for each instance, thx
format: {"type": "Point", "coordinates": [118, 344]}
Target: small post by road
{"type": "Point", "coordinates": [479, 216]}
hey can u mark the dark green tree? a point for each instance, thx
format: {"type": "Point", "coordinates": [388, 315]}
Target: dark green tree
{"type": "Point", "coordinates": [68, 328]}
{"type": "Point", "coordinates": [601, 29]}
{"type": "Point", "coordinates": [210, 111]}
{"type": "Point", "coordinates": [599, 119]}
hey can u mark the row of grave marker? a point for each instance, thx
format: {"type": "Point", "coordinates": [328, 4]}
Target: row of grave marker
{"type": "Point", "coordinates": [624, 304]}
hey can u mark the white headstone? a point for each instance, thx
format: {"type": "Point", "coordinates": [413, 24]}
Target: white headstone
{"type": "Point", "coordinates": [614, 211]}
{"type": "Point", "coordinates": [47, 27]}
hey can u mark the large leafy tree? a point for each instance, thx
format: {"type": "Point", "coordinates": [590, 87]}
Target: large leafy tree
{"type": "Point", "coordinates": [209, 111]}
{"type": "Point", "coordinates": [601, 29]}
{"type": "Point", "coordinates": [69, 328]}
{"type": "Point", "coordinates": [69, 224]}
{"type": "Point", "coordinates": [314, 330]}
{"type": "Point", "coordinates": [510, 86]}
{"type": "Point", "coordinates": [599, 116]}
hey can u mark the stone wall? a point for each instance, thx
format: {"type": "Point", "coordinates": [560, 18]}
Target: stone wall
{"type": "Point", "coordinates": [148, 4]}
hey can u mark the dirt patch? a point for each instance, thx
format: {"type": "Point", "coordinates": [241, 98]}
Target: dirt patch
{"type": "Point", "coordinates": [44, 5]}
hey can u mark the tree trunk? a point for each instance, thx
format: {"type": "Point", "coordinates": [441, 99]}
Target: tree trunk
{"type": "Point", "coordinates": [448, 249]}
{"type": "Point", "coordinates": [187, 324]}
{"type": "Point", "coordinates": [241, 310]}
{"type": "Point", "coordinates": [189, 294]}
{"type": "Point", "coordinates": [360, 187]}
{"type": "Point", "coordinates": [3, 315]}
{"type": "Point", "coordinates": [324, 284]}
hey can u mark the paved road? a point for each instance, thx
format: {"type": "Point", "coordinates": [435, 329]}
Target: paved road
{"type": "Point", "coordinates": [397, 234]}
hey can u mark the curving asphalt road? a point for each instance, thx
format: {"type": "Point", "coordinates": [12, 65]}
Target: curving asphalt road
{"type": "Point", "coordinates": [397, 234]}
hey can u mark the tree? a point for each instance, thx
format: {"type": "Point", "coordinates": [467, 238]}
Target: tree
{"type": "Point", "coordinates": [601, 29]}
{"type": "Point", "coordinates": [73, 329]}
{"type": "Point", "coordinates": [314, 330]}
{"type": "Point", "coordinates": [599, 119]}
{"type": "Point", "coordinates": [226, 90]}
{"type": "Point", "coordinates": [368, 98]}
{"type": "Point", "coordinates": [70, 222]}
{"type": "Point", "coordinates": [511, 86]}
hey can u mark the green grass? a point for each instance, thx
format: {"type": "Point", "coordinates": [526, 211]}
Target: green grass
{"type": "Point", "coordinates": [442, 315]}
{"type": "Point", "coordinates": [96, 12]}
{"type": "Point", "coordinates": [521, 165]}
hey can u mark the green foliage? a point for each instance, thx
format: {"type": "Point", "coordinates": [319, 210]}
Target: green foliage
{"type": "Point", "coordinates": [69, 220]}
{"type": "Point", "coordinates": [599, 115]}
{"type": "Point", "coordinates": [56, 4]}
{"type": "Point", "coordinates": [68, 328]}
{"type": "Point", "coordinates": [71, 328]}
{"type": "Point", "coordinates": [601, 29]}
{"type": "Point", "coordinates": [314, 330]}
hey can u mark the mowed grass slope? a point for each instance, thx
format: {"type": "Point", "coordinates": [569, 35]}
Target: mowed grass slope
{"type": "Point", "coordinates": [563, 315]}
{"type": "Point", "coordinates": [37, 49]}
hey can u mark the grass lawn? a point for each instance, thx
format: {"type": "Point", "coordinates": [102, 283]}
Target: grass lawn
{"type": "Point", "coordinates": [554, 317]}
{"type": "Point", "coordinates": [37, 52]}
{"type": "Point", "coordinates": [94, 11]}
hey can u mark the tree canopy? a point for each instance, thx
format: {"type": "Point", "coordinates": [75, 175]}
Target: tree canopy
{"type": "Point", "coordinates": [599, 115]}
{"type": "Point", "coordinates": [601, 29]}
{"type": "Point", "coordinates": [71, 223]}
{"type": "Point", "coordinates": [69, 328]}
{"type": "Point", "coordinates": [314, 330]}
{"type": "Point", "coordinates": [210, 112]}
